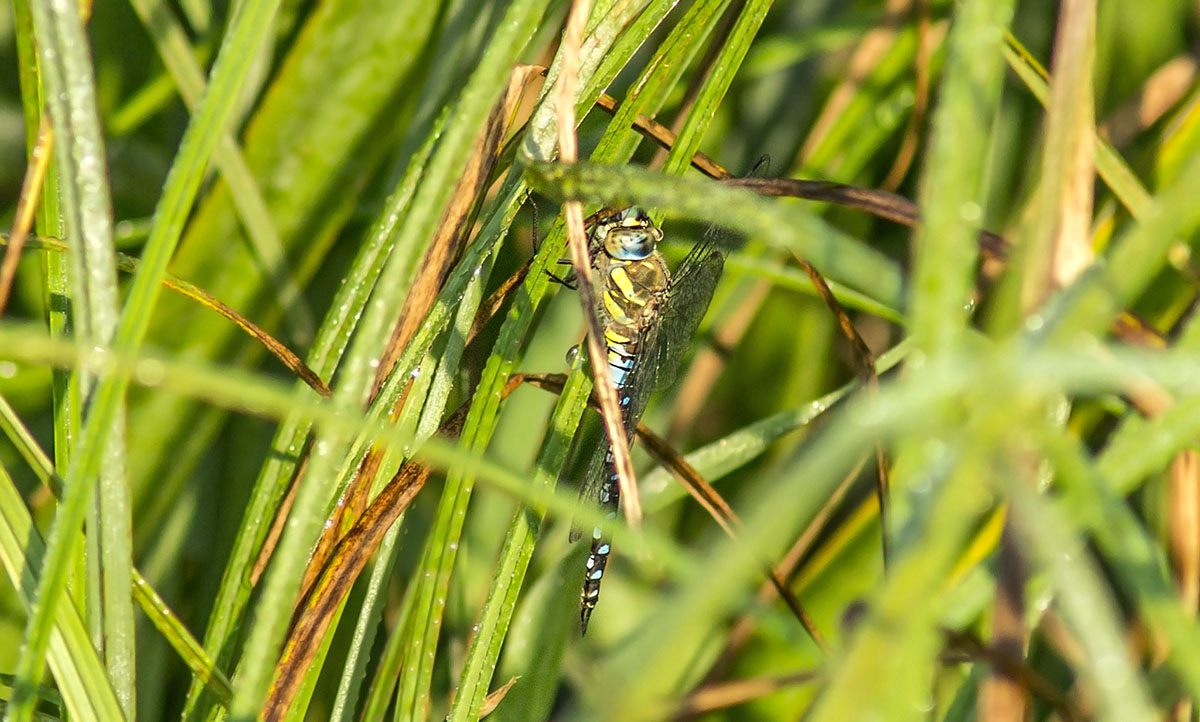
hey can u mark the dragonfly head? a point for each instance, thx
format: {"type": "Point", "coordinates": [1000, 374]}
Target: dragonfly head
{"type": "Point", "coordinates": [628, 235]}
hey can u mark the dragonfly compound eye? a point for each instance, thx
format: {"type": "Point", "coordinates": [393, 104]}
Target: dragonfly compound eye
{"type": "Point", "coordinates": [629, 235]}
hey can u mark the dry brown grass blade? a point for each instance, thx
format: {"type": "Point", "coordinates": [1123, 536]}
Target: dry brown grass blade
{"type": "Point", "coordinates": [495, 697]}
{"type": "Point", "coordinates": [927, 40]}
{"type": "Point", "coordinates": [39, 162]}
{"type": "Point", "coordinates": [896, 208]}
{"type": "Point", "coordinates": [1161, 91]}
{"type": "Point", "coordinates": [1184, 542]}
{"type": "Point", "coordinates": [879, 203]}
{"type": "Point", "coordinates": [349, 508]}
{"type": "Point", "coordinates": [712, 502]}
{"type": "Point", "coordinates": [724, 695]}
{"type": "Point", "coordinates": [664, 136]}
{"type": "Point", "coordinates": [277, 348]}
{"type": "Point", "coordinates": [969, 647]}
{"type": "Point", "coordinates": [286, 356]}
{"type": "Point", "coordinates": [348, 558]}
{"type": "Point", "coordinates": [278, 523]}
{"type": "Point", "coordinates": [568, 152]}
{"type": "Point", "coordinates": [865, 370]}
{"type": "Point", "coordinates": [1003, 695]}
{"type": "Point", "coordinates": [447, 246]}
{"type": "Point", "coordinates": [488, 309]}
{"type": "Point", "coordinates": [1185, 527]}
{"type": "Point", "coordinates": [35, 175]}
{"type": "Point", "coordinates": [1053, 253]}
{"type": "Point", "coordinates": [704, 493]}
{"type": "Point", "coordinates": [695, 484]}
{"type": "Point", "coordinates": [1072, 119]}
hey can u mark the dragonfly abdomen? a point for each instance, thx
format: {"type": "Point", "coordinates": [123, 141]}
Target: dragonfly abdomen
{"type": "Point", "coordinates": [622, 351]}
{"type": "Point", "coordinates": [597, 560]}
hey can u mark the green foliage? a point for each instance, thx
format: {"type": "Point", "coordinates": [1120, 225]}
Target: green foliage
{"type": "Point", "coordinates": [296, 160]}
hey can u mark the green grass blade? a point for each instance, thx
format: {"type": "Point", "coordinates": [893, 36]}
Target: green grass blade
{"type": "Point", "coordinates": [496, 615]}
{"type": "Point", "coordinates": [151, 603]}
{"type": "Point", "coordinates": [945, 245]}
{"type": "Point", "coordinates": [435, 397]}
{"type": "Point", "coordinates": [82, 680]}
{"type": "Point", "coordinates": [345, 121]}
{"type": "Point", "coordinates": [662, 73]}
{"type": "Point", "coordinates": [724, 68]}
{"type": "Point", "coordinates": [86, 204]}
{"type": "Point", "coordinates": [1091, 500]}
{"type": "Point", "coordinates": [1085, 605]}
{"type": "Point", "coordinates": [185, 70]}
{"type": "Point", "coordinates": [107, 404]}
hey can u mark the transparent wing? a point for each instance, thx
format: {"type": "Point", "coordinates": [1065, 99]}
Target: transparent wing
{"type": "Point", "coordinates": [687, 301]}
{"type": "Point", "coordinates": [692, 287]}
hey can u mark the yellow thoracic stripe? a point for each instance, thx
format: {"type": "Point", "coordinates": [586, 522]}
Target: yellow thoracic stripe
{"type": "Point", "coordinates": [614, 309]}
{"type": "Point", "coordinates": [611, 335]}
{"type": "Point", "coordinates": [620, 279]}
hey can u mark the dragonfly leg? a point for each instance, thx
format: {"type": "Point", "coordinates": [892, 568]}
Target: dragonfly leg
{"type": "Point", "coordinates": [567, 281]}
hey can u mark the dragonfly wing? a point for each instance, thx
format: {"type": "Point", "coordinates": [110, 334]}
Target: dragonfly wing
{"type": "Point", "coordinates": [692, 287]}
{"type": "Point", "coordinates": [691, 291]}
{"type": "Point", "coordinates": [589, 489]}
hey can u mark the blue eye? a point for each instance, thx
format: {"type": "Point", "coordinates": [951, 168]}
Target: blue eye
{"type": "Point", "coordinates": [629, 235]}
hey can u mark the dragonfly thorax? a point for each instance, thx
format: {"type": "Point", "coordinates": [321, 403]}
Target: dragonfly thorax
{"type": "Point", "coordinates": [628, 234]}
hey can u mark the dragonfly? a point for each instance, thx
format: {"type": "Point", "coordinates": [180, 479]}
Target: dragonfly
{"type": "Point", "coordinates": [649, 316]}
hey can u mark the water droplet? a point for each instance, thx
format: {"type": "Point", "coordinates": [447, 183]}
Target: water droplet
{"type": "Point", "coordinates": [150, 372]}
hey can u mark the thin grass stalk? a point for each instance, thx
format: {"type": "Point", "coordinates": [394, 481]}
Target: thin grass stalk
{"type": "Point", "coordinates": [87, 208]}
{"type": "Point", "coordinates": [951, 196]}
